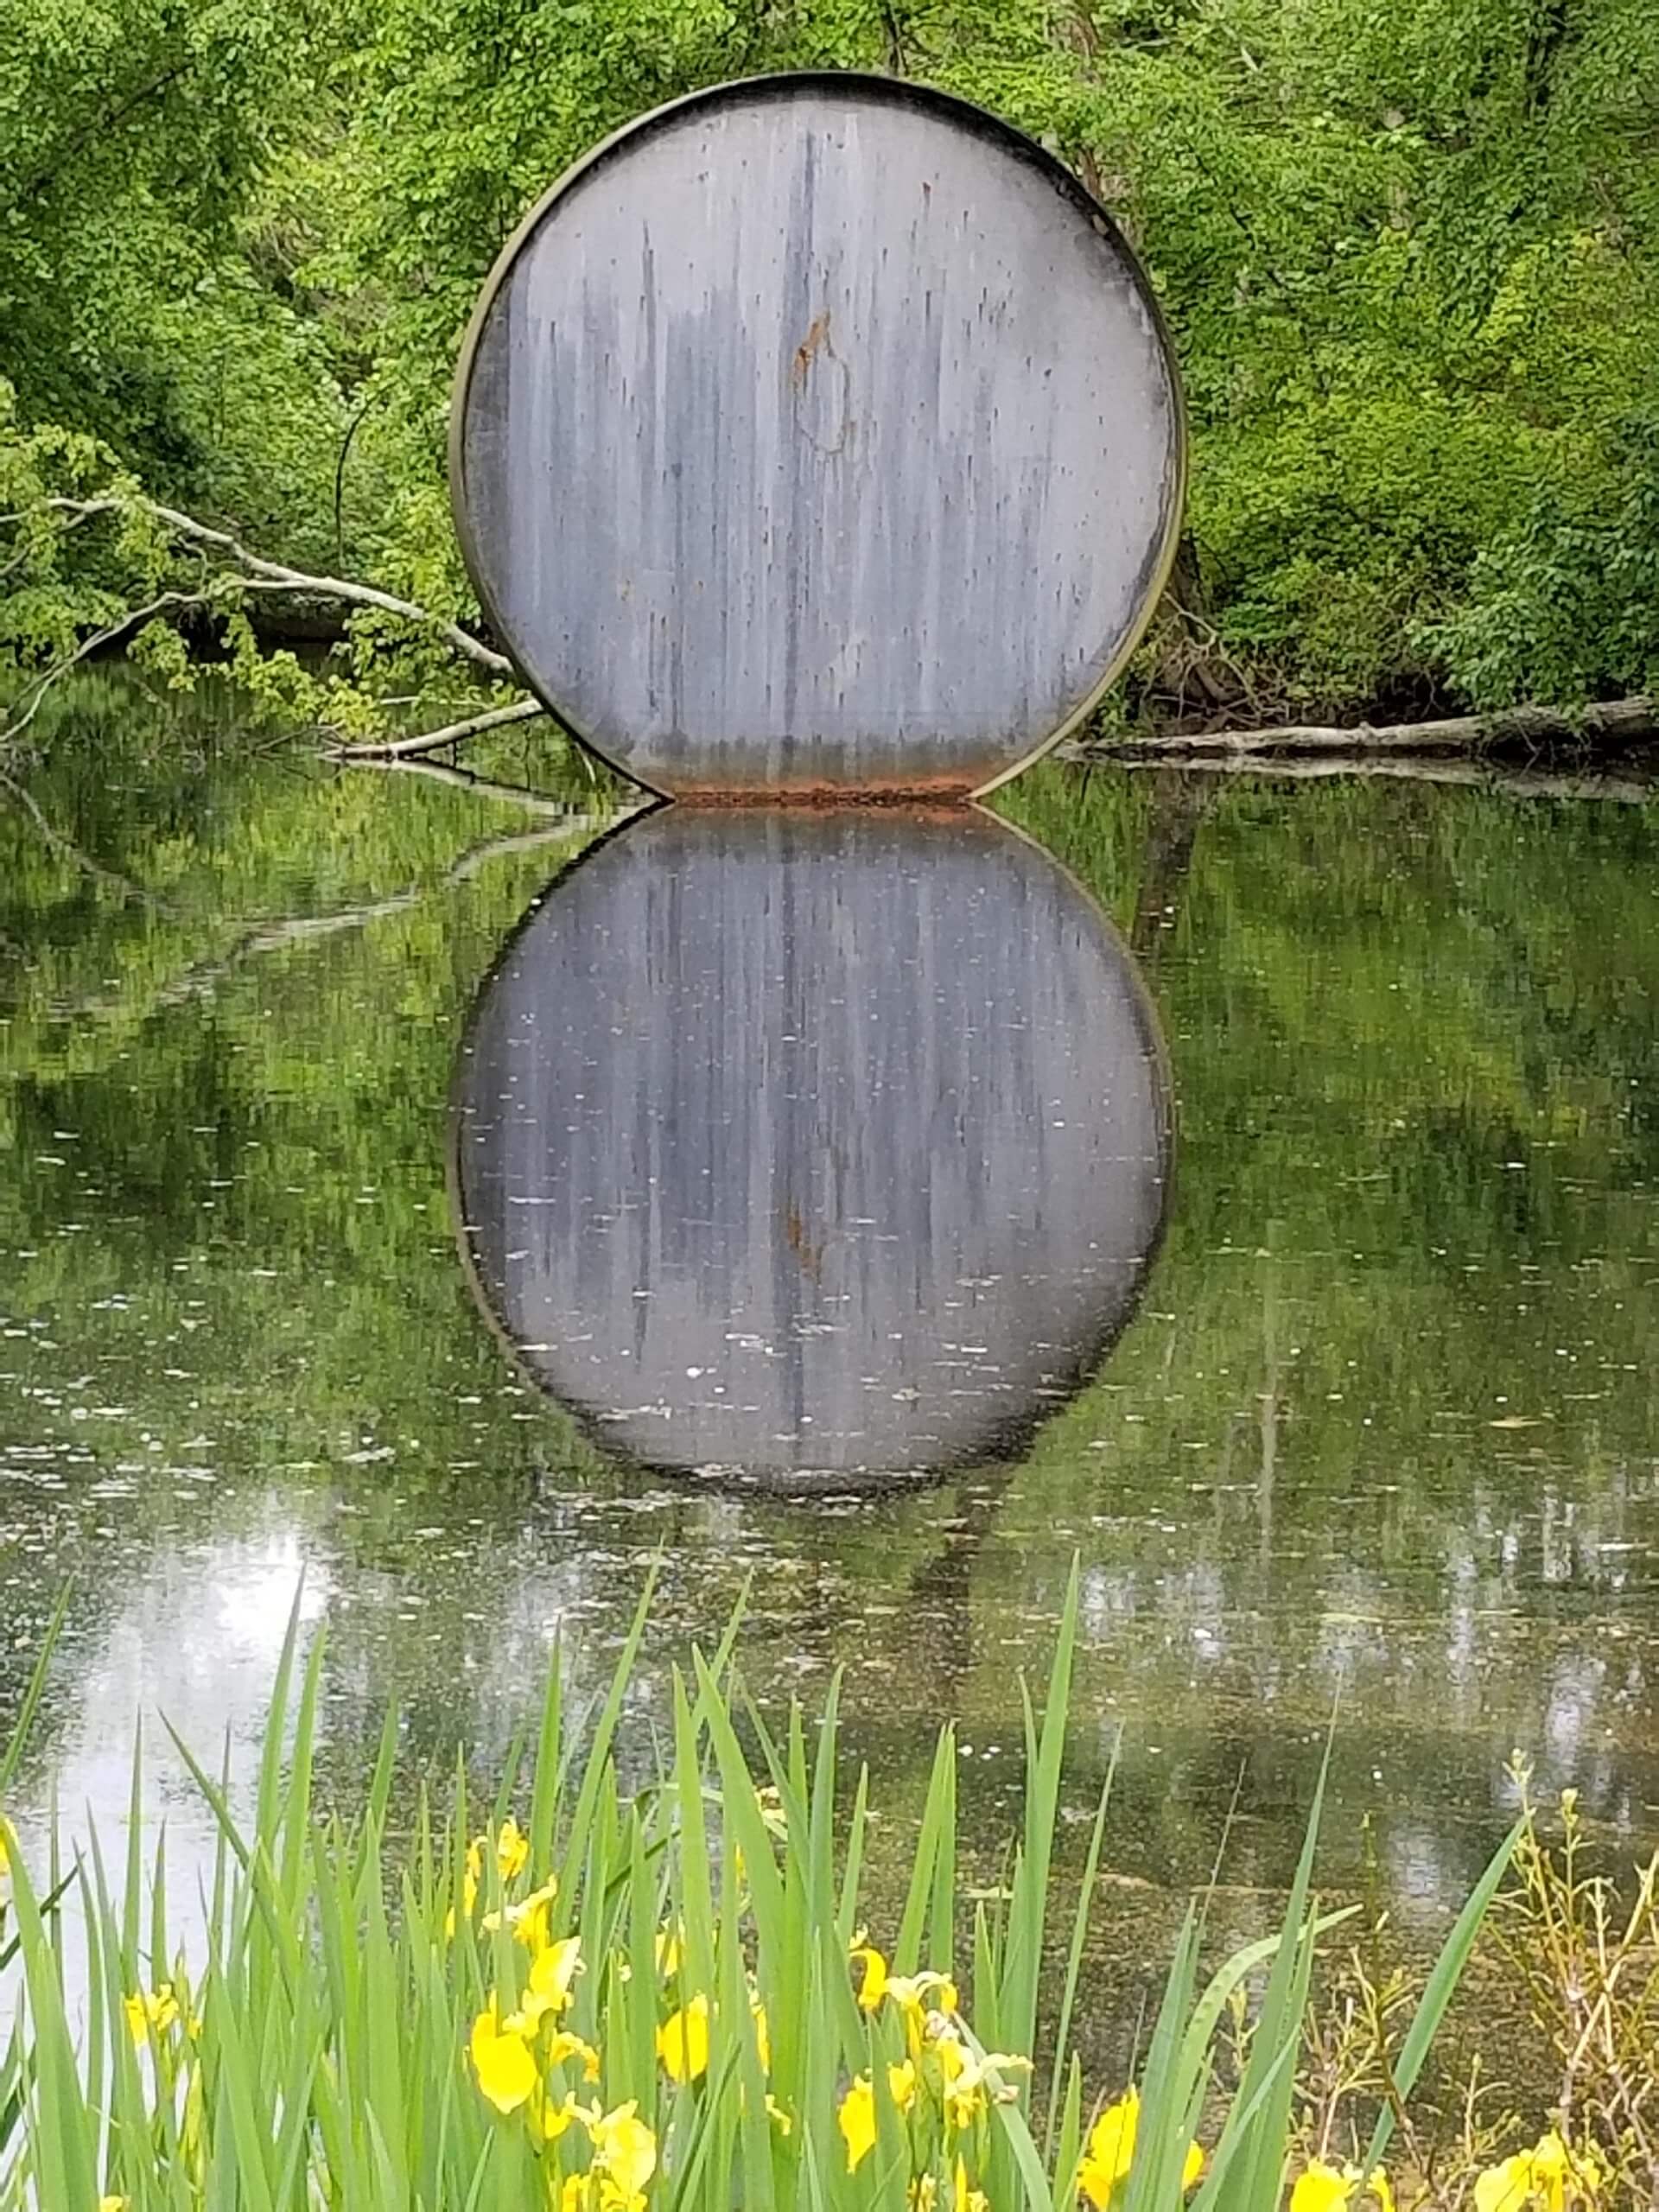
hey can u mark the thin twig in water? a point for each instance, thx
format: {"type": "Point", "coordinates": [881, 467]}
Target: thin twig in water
{"type": "Point", "coordinates": [537, 802]}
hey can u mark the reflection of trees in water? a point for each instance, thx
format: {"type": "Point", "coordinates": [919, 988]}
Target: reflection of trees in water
{"type": "Point", "coordinates": [1374, 1002]}
{"type": "Point", "coordinates": [1179, 804]}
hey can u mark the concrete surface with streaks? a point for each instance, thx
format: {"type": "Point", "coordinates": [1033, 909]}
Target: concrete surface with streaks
{"type": "Point", "coordinates": [816, 1146]}
{"type": "Point", "coordinates": [819, 434]}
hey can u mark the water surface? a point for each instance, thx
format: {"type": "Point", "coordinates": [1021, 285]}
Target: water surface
{"type": "Point", "coordinates": [1383, 1424]}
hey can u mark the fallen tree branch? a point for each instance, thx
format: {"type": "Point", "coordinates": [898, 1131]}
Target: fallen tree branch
{"type": "Point", "coordinates": [275, 575]}
{"type": "Point", "coordinates": [1469, 775]}
{"type": "Point", "coordinates": [410, 748]}
{"type": "Point", "coordinates": [40, 685]}
{"type": "Point", "coordinates": [1623, 720]}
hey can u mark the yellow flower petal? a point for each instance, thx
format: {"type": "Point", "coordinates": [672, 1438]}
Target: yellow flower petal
{"type": "Point", "coordinates": [565, 2045]}
{"type": "Point", "coordinates": [1506, 2187]}
{"type": "Point", "coordinates": [625, 2149]}
{"type": "Point", "coordinates": [1554, 2167]}
{"type": "Point", "coordinates": [1095, 2181]}
{"type": "Point", "coordinates": [501, 2058]}
{"type": "Point", "coordinates": [511, 1850]}
{"type": "Point", "coordinates": [856, 2120]}
{"type": "Point", "coordinates": [872, 1987]}
{"type": "Point", "coordinates": [159, 2010]}
{"type": "Point", "coordinates": [911, 1990]}
{"type": "Point", "coordinates": [971, 2082]}
{"type": "Point", "coordinates": [528, 1919]}
{"type": "Point", "coordinates": [683, 2041]}
{"type": "Point", "coordinates": [547, 1990]}
{"type": "Point", "coordinates": [554, 2119]}
{"type": "Point", "coordinates": [1321, 2188]}
{"type": "Point", "coordinates": [1193, 2166]}
{"type": "Point", "coordinates": [1111, 2139]}
{"type": "Point", "coordinates": [901, 2085]}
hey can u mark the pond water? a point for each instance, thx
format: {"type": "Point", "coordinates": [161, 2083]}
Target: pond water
{"type": "Point", "coordinates": [1353, 1411]}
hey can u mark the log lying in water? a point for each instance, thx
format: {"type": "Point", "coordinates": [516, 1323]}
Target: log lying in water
{"type": "Point", "coordinates": [1486, 776]}
{"type": "Point", "coordinates": [1623, 720]}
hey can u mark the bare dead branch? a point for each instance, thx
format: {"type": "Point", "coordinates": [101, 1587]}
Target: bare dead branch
{"type": "Point", "coordinates": [1473, 775]}
{"type": "Point", "coordinates": [276, 575]}
{"type": "Point", "coordinates": [340, 587]}
{"type": "Point", "coordinates": [408, 748]}
{"type": "Point", "coordinates": [1619, 719]}
{"type": "Point", "coordinates": [37, 688]}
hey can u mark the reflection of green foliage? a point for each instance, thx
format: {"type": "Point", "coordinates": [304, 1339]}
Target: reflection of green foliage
{"type": "Point", "coordinates": [1414, 1052]}
{"type": "Point", "coordinates": [1413, 1042]}
{"type": "Point", "coordinates": [234, 1281]}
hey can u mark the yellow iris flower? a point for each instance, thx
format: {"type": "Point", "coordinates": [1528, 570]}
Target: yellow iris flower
{"type": "Point", "coordinates": [970, 2081]}
{"type": "Point", "coordinates": [565, 2045]}
{"type": "Point", "coordinates": [625, 2153]}
{"type": "Point", "coordinates": [683, 2041]}
{"type": "Point", "coordinates": [857, 2120]}
{"type": "Point", "coordinates": [1321, 2188]}
{"type": "Point", "coordinates": [528, 1919]}
{"type": "Point", "coordinates": [553, 2120]}
{"type": "Point", "coordinates": [910, 1992]}
{"type": "Point", "coordinates": [157, 2009]}
{"type": "Point", "coordinates": [1325, 2189]}
{"type": "Point", "coordinates": [502, 2059]}
{"type": "Point", "coordinates": [547, 1990]}
{"type": "Point", "coordinates": [1111, 2153]}
{"type": "Point", "coordinates": [511, 1850]}
{"type": "Point", "coordinates": [874, 1985]}
{"type": "Point", "coordinates": [1539, 2176]}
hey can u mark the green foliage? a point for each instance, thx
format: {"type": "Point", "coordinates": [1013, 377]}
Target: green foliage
{"type": "Point", "coordinates": [660, 1993]}
{"type": "Point", "coordinates": [1565, 604]}
{"type": "Point", "coordinates": [1410, 255]}
{"type": "Point", "coordinates": [141, 137]}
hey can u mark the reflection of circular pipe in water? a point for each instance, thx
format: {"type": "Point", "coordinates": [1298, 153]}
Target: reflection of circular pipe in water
{"type": "Point", "coordinates": [812, 1149]}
